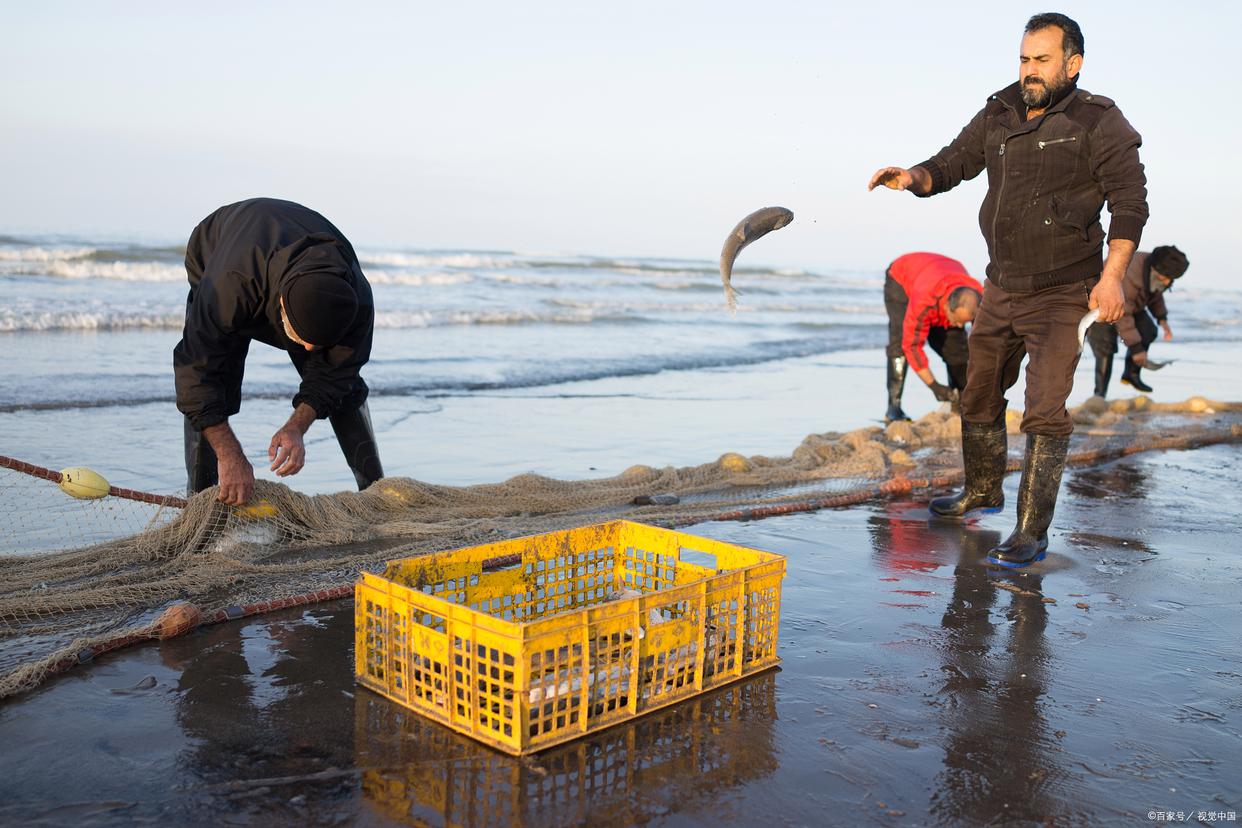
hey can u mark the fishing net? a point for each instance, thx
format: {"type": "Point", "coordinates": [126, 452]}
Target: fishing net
{"type": "Point", "coordinates": [82, 577]}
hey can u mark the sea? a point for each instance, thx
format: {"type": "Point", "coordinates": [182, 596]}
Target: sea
{"type": "Point", "coordinates": [466, 341]}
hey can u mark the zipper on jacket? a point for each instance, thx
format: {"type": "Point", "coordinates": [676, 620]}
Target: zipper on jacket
{"type": "Point", "coordinates": [1049, 143]}
{"type": "Point", "coordinates": [996, 215]}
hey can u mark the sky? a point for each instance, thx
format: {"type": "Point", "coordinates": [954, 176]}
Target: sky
{"type": "Point", "coordinates": [624, 129]}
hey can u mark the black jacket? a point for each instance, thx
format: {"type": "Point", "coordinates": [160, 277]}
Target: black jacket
{"type": "Point", "coordinates": [237, 259]}
{"type": "Point", "coordinates": [1048, 179]}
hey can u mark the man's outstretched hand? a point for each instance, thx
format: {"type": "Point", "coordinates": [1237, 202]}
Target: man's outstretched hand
{"type": "Point", "coordinates": [895, 178]}
{"type": "Point", "coordinates": [287, 451]}
{"type": "Point", "coordinates": [916, 180]}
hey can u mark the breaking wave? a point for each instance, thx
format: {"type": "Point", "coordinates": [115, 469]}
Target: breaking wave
{"type": "Point", "coordinates": [173, 319]}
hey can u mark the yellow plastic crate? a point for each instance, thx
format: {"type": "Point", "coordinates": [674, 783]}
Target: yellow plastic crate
{"type": "Point", "coordinates": [523, 644]}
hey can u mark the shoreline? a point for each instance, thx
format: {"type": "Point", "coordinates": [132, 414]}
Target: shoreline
{"type": "Point", "coordinates": [572, 431]}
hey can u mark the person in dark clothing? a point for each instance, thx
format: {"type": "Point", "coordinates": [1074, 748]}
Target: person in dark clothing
{"type": "Point", "coordinates": [929, 298]}
{"type": "Point", "coordinates": [1054, 154]}
{"type": "Point", "coordinates": [282, 274]}
{"type": "Point", "coordinates": [1147, 278]}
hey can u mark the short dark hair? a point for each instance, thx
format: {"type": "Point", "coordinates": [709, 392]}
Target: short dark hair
{"type": "Point", "coordinates": [959, 295]}
{"type": "Point", "coordinates": [1071, 34]}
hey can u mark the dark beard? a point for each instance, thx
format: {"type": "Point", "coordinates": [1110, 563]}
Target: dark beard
{"type": "Point", "coordinates": [1038, 95]}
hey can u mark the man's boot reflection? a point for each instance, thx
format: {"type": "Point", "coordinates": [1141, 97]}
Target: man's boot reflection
{"type": "Point", "coordinates": [994, 660]}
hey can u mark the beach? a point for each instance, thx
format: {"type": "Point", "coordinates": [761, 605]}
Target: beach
{"type": "Point", "coordinates": [917, 684]}
{"type": "Point", "coordinates": [917, 687]}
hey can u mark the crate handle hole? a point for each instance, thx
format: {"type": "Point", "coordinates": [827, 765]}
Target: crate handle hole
{"type": "Point", "coordinates": [428, 619]}
{"type": "Point", "coordinates": [698, 558]}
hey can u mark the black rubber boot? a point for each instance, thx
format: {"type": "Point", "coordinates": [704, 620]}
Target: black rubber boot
{"type": "Point", "coordinates": [201, 468]}
{"type": "Point", "coordinates": [1037, 498]}
{"type": "Point", "coordinates": [357, 439]}
{"type": "Point", "coordinates": [1103, 373]}
{"type": "Point", "coordinates": [1132, 378]}
{"type": "Point", "coordinates": [985, 451]}
{"type": "Point", "coordinates": [896, 383]}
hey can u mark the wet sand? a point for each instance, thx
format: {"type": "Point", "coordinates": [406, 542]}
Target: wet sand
{"type": "Point", "coordinates": [918, 686]}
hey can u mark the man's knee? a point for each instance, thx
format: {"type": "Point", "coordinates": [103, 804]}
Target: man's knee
{"type": "Point", "coordinates": [983, 406]}
{"type": "Point", "coordinates": [1061, 425]}
{"type": "Point", "coordinates": [983, 397]}
{"type": "Point", "coordinates": [1047, 389]}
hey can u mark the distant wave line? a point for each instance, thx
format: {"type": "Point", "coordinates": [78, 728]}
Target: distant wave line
{"type": "Point", "coordinates": [39, 322]}
{"type": "Point", "coordinates": [163, 262]}
{"type": "Point", "coordinates": [756, 354]}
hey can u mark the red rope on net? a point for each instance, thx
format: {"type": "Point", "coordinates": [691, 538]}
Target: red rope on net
{"type": "Point", "coordinates": [232, 613]}
{"type": "Point", "coordinates": [115, 491]}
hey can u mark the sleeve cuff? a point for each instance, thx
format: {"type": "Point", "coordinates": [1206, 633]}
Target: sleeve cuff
{"type": "Point", "coordinates": [1128, 228]}
{"type": "Point", "coordinates": [937, 177]}
{"type": "Point", "coordinates": [206, 421]}
{"type": "Point", "coordinates": [321, 407]}
{"type": "Point", "coordinates": [198, 422]}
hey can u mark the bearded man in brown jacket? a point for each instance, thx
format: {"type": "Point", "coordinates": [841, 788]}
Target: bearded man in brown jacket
{"type": "Point", "coordinates": [1054, 154]}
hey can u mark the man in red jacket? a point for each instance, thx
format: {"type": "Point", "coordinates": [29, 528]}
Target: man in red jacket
{"type": "Point", "coordinates": [929, 298]}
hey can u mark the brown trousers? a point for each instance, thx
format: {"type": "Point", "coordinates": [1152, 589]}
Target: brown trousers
{"type": "Point", "coordinates": [1009, 326]}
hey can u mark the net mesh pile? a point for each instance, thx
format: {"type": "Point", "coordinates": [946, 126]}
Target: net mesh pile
{"type": "Point", "coordinates": [82, 577]}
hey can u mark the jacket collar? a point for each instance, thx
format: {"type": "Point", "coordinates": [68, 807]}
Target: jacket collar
{"type": "Point", "coordinates": [1011, 98]}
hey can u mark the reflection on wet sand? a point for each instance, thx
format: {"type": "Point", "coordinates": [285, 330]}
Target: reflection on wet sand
{"type": "Point", "coordinates": [261, 704]}
{"type": "Point", "coordinates": [998, 760]}
{"type": "Point", "coordinates": [993, 657]}
{"type": "Point", "coordinates": [1123, 479]}
{"type": "Point", "coordinates": [420, 773]}
{"type": "Point", "coordinates": [1121, 482]}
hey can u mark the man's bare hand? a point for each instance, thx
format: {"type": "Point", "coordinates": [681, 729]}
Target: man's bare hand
{"type": "Point", "coordinates": [287, 452]}
{"type": "Point", "coordinates": [236, 475]}
{"type": "Point", "coordinates": [1139, 358]}
{"type": "Point", "coordinates": [1108, 297]}
{"type": "Point", "coordinates": [236, 480]}
{"type": "Point", "coordinates": [895, 178]}
{"type": "Point", "coordinates": [1168, 332]}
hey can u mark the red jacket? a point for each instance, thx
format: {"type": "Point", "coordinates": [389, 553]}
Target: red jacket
{"type": "Point", "coordinates": [928, 279]}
